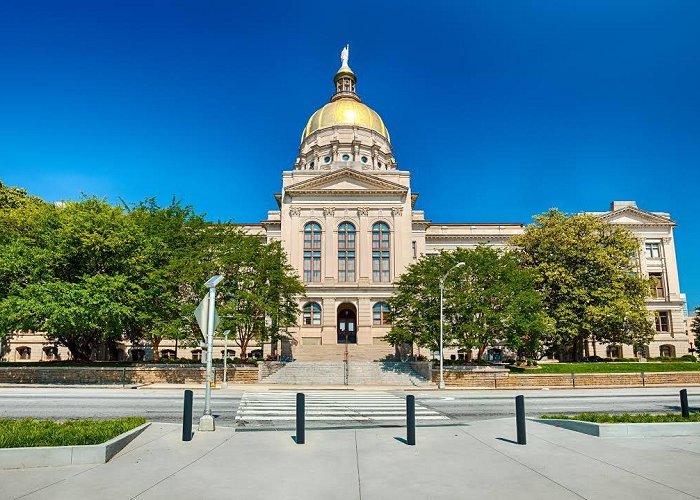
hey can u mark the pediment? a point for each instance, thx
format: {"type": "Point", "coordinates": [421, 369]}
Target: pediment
{"type": "Point", "coordinates": [636, 216]}
{"type": "Point", "coordinates": [347, 181]}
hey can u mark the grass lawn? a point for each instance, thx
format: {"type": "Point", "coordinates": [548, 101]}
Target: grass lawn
{"type": "Point", "coordinates": [611, 368]}
{"type": "Point", "coordinates": [33, 432]}
{"type": "Point", "coordinates": [627, 418]}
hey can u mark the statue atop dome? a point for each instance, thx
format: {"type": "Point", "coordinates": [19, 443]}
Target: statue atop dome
{"type": "Point", "coordinates": [344, 56]}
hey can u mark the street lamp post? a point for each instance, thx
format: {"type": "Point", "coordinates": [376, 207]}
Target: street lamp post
{"type": "Point", "coordinates": [441, 385]}
{"type": "Point", "coordinates": [206, 423]}
{"type": "Point", "coordinates": [224, 385]}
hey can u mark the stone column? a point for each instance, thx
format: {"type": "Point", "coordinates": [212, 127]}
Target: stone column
{"type": "Point", "coordinates": [363, 252]}
{"type": "Point", "coordinates": [330, 255]}
{"type": "Point", "coordinates": [396, 242]}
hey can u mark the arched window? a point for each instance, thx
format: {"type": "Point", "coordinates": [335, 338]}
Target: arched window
{"type": "Point", "coordinates": [167, 354]}
{"type": "Point", "coordinates": [667, 351]}
{"type": "Point", "coordinates": [346, 252]}
{"type": "Point", "coordinates": [50, 352]}
{"type": "Point", "coordinates": [24, 352]}
{"type": "Point", "coordinates": [197, 355]}
{"type": "Point", "coordinates": [380, 252]}
{"type": "Point", "coordinates": [380, 314]}
{"type": "Point", "coordinates": [614, 351]}
{"type": "Point", "coordinates": [312, 252]}
{"type": "Point", "coordinates": [312, 314]}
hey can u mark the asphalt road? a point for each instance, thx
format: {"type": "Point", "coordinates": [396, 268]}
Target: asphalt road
{"type": "Point", "coordinates": [165, 405]}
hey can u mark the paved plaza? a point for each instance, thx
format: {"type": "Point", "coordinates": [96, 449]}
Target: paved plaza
{"type": "Point", "coordinates": [478, 460]}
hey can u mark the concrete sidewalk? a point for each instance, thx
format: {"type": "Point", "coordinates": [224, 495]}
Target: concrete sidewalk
{"type": "Point", "coordinates": [475, 461]}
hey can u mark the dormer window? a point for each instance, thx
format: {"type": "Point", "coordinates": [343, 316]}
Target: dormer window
{"type": "Point", "coordinates": [311, 166]}
{"type": "Point", "coordinates": [327, 159]}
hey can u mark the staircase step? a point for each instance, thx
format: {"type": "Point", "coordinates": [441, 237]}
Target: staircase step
{"type": "Point", "coordinates": [359, 373]}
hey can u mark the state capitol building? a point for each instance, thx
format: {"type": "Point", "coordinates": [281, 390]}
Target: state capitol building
{"type": "Point", "coordinates": [345, 215]}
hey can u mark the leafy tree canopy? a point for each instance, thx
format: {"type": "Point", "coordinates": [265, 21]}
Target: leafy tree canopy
{"type": "Point", "coordinates": [490, 301]}
{"type": "Point", "coordinates": [587, 271]}
{"type": "Point", "coordinates": [89, 274]}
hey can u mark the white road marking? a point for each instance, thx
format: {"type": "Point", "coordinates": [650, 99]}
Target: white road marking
{"type": "Point", "coordinates": [328, 406]}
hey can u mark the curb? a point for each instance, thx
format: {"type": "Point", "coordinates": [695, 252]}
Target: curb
{"type": "Point", "coordinates": [54, 456]}
{"type": "Point", "coordinates": [667, 429]}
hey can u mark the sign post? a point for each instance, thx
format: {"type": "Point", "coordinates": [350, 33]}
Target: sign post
{"type": "Point", "coordinates": [207, 321]}
{"type": "Point", "coordinates": [224, 384]}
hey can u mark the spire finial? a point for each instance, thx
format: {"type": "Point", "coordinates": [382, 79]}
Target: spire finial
{"type": "Point", "coordinates": [344, 56]}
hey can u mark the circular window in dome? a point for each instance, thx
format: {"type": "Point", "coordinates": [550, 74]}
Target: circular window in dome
{"type": "Point", "coordinates": [364, 159]}
{"type": "Point", "coordinates": [327, 159]}
{"type": "Point", "coordinates": [346, 157]}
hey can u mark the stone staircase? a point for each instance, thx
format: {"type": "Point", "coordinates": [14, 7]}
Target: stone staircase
{"type": "Point", "coordinates": [336, 352]}
{"type": "Point", "coordinates": [384, 373]}
{"type": "Point", "coordinates": [359, 373]}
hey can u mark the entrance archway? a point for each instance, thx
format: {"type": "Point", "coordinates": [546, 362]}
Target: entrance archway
{"type": "Point", "coordinates": [347, 324]}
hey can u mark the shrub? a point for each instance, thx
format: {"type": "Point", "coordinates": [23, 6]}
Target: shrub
{"type": "Point", "coordinates": [626, 418]}
{"type": "Point", "coordinates": [688, 357]}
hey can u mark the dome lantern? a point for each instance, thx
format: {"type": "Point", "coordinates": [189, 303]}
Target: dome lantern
{"type": "Point", "coordinates": [345, 106]}
{"type": "Point", "coordinates": [345, 79]}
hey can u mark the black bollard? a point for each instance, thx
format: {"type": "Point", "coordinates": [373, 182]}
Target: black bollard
{"type": "Point", "coordinates": [411, 420]}
{"type": "Point", "coordinates": [301, 431]}
{"type": "Point", "coordinates": [684, 404]}
{"type": "Point", "coordinates": [520, 418]}
{"type": "Point", "coordinates": [187, 417]}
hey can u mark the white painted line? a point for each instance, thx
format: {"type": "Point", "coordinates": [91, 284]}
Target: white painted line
{"type": "Point", "coordinates": [357, 418]}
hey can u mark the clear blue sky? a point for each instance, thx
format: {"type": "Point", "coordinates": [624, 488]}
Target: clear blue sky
{"type": "Point", "coordinates": [500, 109]}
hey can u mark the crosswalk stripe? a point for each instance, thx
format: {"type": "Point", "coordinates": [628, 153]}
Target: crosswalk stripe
{"type": "Point", "coordinates": [329, 406]}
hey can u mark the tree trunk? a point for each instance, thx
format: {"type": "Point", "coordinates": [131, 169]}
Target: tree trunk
{"type": "Point", "coordinates": [481, 352]}
{"type": "Point", "coordinates": [244, 348]}
{"type": "Point", "coordinates": [155, 342]}
{"type": "Point", "coordinates": [80, 352]}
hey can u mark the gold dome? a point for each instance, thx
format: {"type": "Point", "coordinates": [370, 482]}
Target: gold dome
{"type": "Point", "coordinates": [345, 111]}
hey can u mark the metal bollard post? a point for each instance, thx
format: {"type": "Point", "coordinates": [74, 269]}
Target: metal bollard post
{"type": "Point", "coordinates": [684, 404]}
{"type": "Point", "coordinates": [187, 417]}
{"type": "Point", "coordinates": [411, 420]}
{"type": "Point", "coordinates": [520, 418]}
{"type": "Point", "coordinates": [301, 431]}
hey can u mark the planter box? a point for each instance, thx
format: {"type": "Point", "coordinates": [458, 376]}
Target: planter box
{"type": "Point", "coordinates": [54, 456]}
{"type": "Point", "coordinates": [668, 429]}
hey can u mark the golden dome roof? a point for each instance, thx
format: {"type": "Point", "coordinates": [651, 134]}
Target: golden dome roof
{"type": "Point", "coordinates": [345, 111]}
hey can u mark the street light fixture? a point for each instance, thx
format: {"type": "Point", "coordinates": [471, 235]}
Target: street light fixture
{"type": "Point", "coordinates": [206, 423]}
{"type": "Point", "coordinates": [441, 385]}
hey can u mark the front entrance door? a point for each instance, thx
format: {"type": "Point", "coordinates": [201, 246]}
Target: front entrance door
{"type": "Point", "coordinates": [347, 325]}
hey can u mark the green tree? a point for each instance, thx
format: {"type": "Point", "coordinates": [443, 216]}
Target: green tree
{"type": "Point", "coordinates": [75, 279]}
{"type": "Point", "coordinates": [587, 272]}
{"type": "Point", "coordinates": [167, 292]}
{"type": "Point", "coordinates": [489, 301]}
{"type": "Point", "coordinates": [259, 294]}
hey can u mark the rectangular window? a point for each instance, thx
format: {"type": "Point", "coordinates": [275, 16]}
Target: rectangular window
{"type": "Point", "coordinates": [413, 248]}
{"type": "Point", "coordinates": [658, 291]}
{"type": "Point", "coordinates": [380, 266]}
{"type": "Point", "coordinates": [652, 250]}
{"type": "Point", "coordinates": [346, 265]}
{"type": "Point", "coordinates": [663, 321]}
{"type": "Point", "coordinates": [312, 317]}
{"type": "Point", "coordinates": [312, 266]}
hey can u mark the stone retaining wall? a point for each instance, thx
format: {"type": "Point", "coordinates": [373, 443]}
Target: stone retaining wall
{"type": "Point", "coordinates": [484, 380]}
{"type": "Point", "coordinates": [128, 375]}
